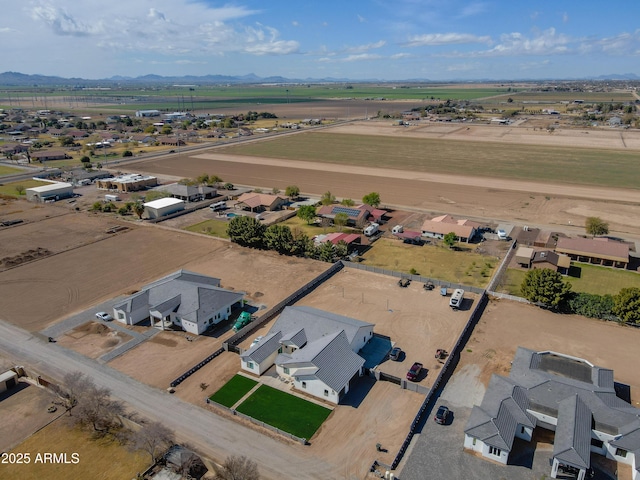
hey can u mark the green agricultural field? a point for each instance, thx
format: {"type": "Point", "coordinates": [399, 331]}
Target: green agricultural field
{"type": "Point", "coordinates": [233, 390]}
{"type": "Point", "coordinates": [103, 458]}
{"type": "Point", "coordinates": [487, 159]}
{"type": "Point", "coordinates": [464, 267]}
{"type": "Point", "coordinates": [591, 279]}
{"type": "Point", "coordinates": [10, 188]}
{"type": "Point", "coordinates": [217, 228]}
{"type": "Point", "coordinates": [587, 97]}
{"type": "Point", "coordinates": [286, 412]}
{"type": "Point", "coordinates": [4, 170]}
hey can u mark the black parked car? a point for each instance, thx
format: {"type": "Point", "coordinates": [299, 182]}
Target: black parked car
{"type": "Point", "coordinates": [442, 415]}
{"type": "Point", "coordinates": [395, 353]}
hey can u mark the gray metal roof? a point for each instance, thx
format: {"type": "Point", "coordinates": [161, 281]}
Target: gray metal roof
{"type": "Point", "coordinates": [572, 443]}
{"type": "Point", "coordinates": [261, 351]}
{"type": "Point", "coordinates": [553, 384]}
{"type": "Point", "coordinates": [195, 296]}
{"type": "Point", "coordinates": [297, 339]}
{"type": "Point", "coordinates": [333, 358]}
{"type": "Point", "coordinates": [317, 323]}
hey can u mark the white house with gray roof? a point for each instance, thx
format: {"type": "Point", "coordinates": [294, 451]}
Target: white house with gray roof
{"type": "Point", "coordinates": [184, 299]}
{"type": "Point", "coordinates": [314, 349]}
{"type": "Point", "coordinates": [565, 394]}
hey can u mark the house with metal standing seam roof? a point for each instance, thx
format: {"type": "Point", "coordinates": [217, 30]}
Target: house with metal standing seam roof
{"type": "Point", "coordinates": [184, 299]}
{"type": "Point", "coordinates": [566, 395]}
{"type": "Point", "coordinates": [314, 349]}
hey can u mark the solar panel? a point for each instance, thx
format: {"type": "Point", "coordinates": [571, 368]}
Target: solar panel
{"type": "Point", "coordinates": [351, 212]}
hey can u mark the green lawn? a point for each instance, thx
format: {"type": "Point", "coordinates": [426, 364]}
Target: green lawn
{"type": "Point", "coordinates": [4, 170]}
{"type": "Point", "coordinates": [465, 267]}
{"type": "Point", "coordinates": [592, 279]}
{"type": "Point", "coordinates": [233, 390]}
{"type": "Point", "coordinates": [587, 166]}
{"type": "Point", "coordinates": [284, 411]}
{"type": "Point", "coordinates": [10, 188]}
{"type": "Point", "coordinates": [217, 228]}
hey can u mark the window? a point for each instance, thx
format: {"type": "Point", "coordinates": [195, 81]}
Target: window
{"type": "Point", "coordinates": [522, 430]}
{"type": "Point", "coordinates": [326, 393]}
{"type": "Point", "coordinates": [597, 443]}
{"type": "Point", "coordinates": [474, 442]}
{"type": "Point", "coordinates": [304, 384]}
{"type": "Point", "coordinates": [121, 315]}
{"type": "Point", "coordinates": [621, 452]}
{"type": "Point", "coordinates": [286, 370]}
{"type": "Point", "coordinates": [494, 451]}
{"type": "Point", "coordinates": [250, 365]}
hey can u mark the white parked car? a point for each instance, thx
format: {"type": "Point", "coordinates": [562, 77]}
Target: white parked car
{"type": "Point", "coordinates": [104, 316]}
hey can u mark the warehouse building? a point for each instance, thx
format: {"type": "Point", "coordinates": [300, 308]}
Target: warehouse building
{"type": "Point", "coordinates": [54, 192]}
{"type": "Point", "coordinates": [162, 207]}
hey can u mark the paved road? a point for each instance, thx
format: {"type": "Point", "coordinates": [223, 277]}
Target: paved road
{"type": "Point", "coordinates": [214, 436]}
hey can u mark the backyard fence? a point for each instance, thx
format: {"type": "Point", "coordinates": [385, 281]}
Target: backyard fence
{"type": "Point", "coordinates": [413, 278]}
{"type": "Point", "coordinates": [497, 276]}
{"type": "Point", "coordinates": [197, 367]}
{"type": "Point", "coordinates": [232, 342]}
{"type": "Point", "coordinates": [443, 376]}
{"type": "Point", "coordinates": [302, 441]}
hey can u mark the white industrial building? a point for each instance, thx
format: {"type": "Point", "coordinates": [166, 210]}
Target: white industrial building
{"type": "Point", "coordinates": [55, 191]}
{"type": "Point", "coordinates": [163, 206]}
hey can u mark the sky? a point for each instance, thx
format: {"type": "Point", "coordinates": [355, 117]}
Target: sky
{"type": "Point", "coordinates": [438, 40]}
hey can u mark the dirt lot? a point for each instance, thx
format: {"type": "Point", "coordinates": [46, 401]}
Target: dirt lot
{"type": "Point", "coordinates": [23, 411]}
{"type": "Point", "coordinates": [93, 339]}
{"type": "Point", "coordinates": [506, 325]}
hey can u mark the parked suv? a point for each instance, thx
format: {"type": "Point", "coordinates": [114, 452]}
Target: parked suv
{"type": "Point", "coordinates": [395, 354]}
{"type": "Point", "coordinates": [442, 415]}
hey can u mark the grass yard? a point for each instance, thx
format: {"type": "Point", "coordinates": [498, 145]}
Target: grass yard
{"type": "Point", "coordinates": [4, 170]}
{"type": "Point", "coordinates": [102, 459]}
{"type": "Point", "coordinates": [284, 411]}
{"type": "Point", "coordinates": [233, 390]}
{"type": "Point", "coordinates": [592, 279]}
{"type": "Point", "coordinates": [465, 267]}
{"type": "Point", "coordinates": [10, 188]}
{"type": "Point", "coordinates": [217, 228]}
{"type": "Point", "coordinates": [485, 159]}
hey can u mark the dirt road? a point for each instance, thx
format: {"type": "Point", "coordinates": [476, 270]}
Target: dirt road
{"type": "Point", "coordinates": [214, 435]}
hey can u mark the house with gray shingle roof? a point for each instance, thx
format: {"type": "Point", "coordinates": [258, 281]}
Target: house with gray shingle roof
{"type": "Point", "coordinates": [314, 349]}
{"type": "Point", "coordinates": [564, 394]}
{"type": "Point", "coordinates": [184, 299]}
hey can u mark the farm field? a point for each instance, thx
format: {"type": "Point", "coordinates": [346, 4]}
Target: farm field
{"type": "Point", "coordinates": [10, 188]}
{"type": "Point", "coordinates": [592, 279]}
{"type": "Point", "coordinates": [286, 412]}
{"type": "Point", "coordinates": [541, 163]}
{"type": "Point", "coordinates": [103, 459]}
{"type": "Point", "coordinates": [4, 170]}
{"type": "Point", "coordinates": [464, 267]}
{"type": "Point", "coordinates": [216, 228]}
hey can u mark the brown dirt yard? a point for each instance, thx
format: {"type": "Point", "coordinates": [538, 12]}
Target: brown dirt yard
{"type": "Point", "coordinates": [23, 411]}
{"type": "Point", "coordinates": [92, 339]}
{"type": "Point", "coordinates": [506, 325]}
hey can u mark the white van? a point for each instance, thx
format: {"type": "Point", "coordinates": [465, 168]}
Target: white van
{"type": "Point", "coordinates": [111, 198]}
{"type": "Point", "coordinates": [397, 229]}
{"type": "Point", "coordinates": [371, 229]}
{"type": "Point", "coordinates": [456, 298]}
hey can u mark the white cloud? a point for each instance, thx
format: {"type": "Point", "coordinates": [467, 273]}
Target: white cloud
{"type": "Point", "coordinates": [364, 48]}
{"type": "Point", "coordinates": [565, 17]}
{"type": "Point", "coordinates": [547, 42]}
{"type": "Point", "coordinates": [433, 39]}
{"type": "Point", "coordinates": [361, 19]}
{"type": "Point", "coordinates": [361, 57]}
{"type": "Point", "coordinates": [6, 30]}
{"type": "Point", "coordinates": [397, 56]}
{"type": "Point", "coordinates": [473, 9]}
{"type": "Point", "coordinates": [295, 23]}
{"type": "Point", "coordinates": [620, 44]}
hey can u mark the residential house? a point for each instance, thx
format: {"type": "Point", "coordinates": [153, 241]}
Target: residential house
{"type": "Point", "coordinates": [314, 349]}
{"type": "Point", "coordinates": [187, 300]}
{"type": "Point", "coordinates": [539, 259]}
{"type": "Point", "coordinates": [259, 202]}
{"type": "Point", "coordinates": [465, 230]}
{"type": "Point", "coordinates": [600, 251]}
{"type": "Point", "coordinates": [190, 193]}
{"type": "Point", "coordinates": [47, 155]}
{"type": "Point", "coordinates": [564, 394]}
{"type": "Point", "coordinates": [357, 216]}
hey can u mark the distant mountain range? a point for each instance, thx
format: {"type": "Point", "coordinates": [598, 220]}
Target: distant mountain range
{"type": "Point", "coordinates": [21, 79]}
